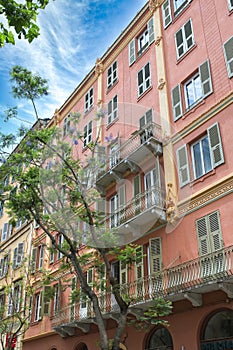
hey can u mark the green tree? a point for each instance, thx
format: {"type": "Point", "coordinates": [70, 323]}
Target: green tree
{"type": "Point", "coordinates": [19, 19]}
{"type": "Point", "coordinates": [58, 192]}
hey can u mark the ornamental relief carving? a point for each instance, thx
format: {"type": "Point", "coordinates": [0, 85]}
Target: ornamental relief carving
{"type": "Point", "coordinates": [153, 4]}
{"type": "Point", "coordinates": [215, 193]}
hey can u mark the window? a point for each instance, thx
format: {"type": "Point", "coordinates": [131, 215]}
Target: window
{"type": "Point", "coordinates": [17, 297]}
{"type": "Point", "coordinates": [196, 88]}
{"type": "Point", "coordinates": [38, 303]}
{"type": "Point", "coordinates": [230, 5]}
{"type": "Point", "coordinates": [114, 211]}
{"type": "Point", "coordinates": [87, 134]}
{"type": "Point", "coordinates": [146, 126]}
{"type": "Point", "coordinates": [228, 53]}
{"type": "Point", "coordinates": [137, 46]}
{"type": "Point", "coordinates": [4, 263]}
{"type": "Point", "coordinates": [89, 100]}
{"type": "Point", "coordinates": [10, 302]}
{"type": "Point", "coordinates": [18, 255]}
{"type": "Point", "coordinates": [206, 154]}
{"type": "Point", "coordinates": [144, 79]}
{"type": "Point", "coordinates": [60, 241]}
{"type": "Point", "coordinates": [1, 208]}
{"type": "Point", "coordinates": [66, 125]}
{"type": "Point", "coordinates": [184, 39]}
{"type": "Point", "coordinates": [5, 231]}
{"type": "Point", "coordinates": [41, 256]}
{"type": "Point", "coordinates": [56, 298]}
{"type": "Point", "coordinates": [114, 154]}
{"type": "Point", "coordinates": [112, 75]}
{"type": "Point", "coordinates": [117, 204]}
{"type": "Point", "coordinates": [112, 109]}
{"type": "Point", "coordinates": [2, 303]}
{"type": "Point", "coordinates": [155, 255]}
{"type": "Point", "coordinates": [171, 8]}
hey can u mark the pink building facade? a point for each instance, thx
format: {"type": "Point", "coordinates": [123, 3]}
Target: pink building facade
{"type": "Point", "coordinates": [166, 88]}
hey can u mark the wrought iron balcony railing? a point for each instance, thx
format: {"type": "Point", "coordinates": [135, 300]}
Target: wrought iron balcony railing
{"type": "Point", "coordinates": [212, 268]}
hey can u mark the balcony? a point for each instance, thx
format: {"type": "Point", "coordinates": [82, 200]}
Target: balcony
{"type": "Point", "coordinates": [141, 147]}
{"type": "Point", "coordinates": [142, 213]}
{"type": "Point", "coordinates": [205, 274]}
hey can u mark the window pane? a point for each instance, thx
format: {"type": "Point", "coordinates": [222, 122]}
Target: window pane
{"type": "Point", "coordinates": [197, 160]}
{"type": "Point", "coordinates": [197, 88]}
{"type": "Point", "coordinates": [206, 154]}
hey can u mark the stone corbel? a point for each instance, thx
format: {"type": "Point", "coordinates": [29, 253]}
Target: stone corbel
{"type": "Point", "coordinates": [158, 40]}
{"type": "Point", "coordinates": [161, 84]}
{"type": "Point", "coordinates": [99, 67]}
{"type": "Point", "coordinates": [195, 299]}
{"type": "Point", "coordinates": [153, 4]}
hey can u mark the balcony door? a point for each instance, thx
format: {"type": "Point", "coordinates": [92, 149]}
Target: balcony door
{"type": "Point", "coordinates": [152, 185]}
{"type": "Point", "coordinates": [85, 304]}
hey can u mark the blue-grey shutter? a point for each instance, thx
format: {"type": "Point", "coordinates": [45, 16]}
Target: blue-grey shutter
{"type": "Point", "coordinates": [228, 53]}
{"type": "Point", "coordinates": [176, 102]}
{"type": "Point", "coordinates": [215, 142]}
{"type": "Point", "coordinates": [183, 166]}
{"type": "Point", "coordinates": [132, 52]}
{"type": "Point", "coordinates": [167, 16]}
{"type": "Point", "coordinates": [204, 72]}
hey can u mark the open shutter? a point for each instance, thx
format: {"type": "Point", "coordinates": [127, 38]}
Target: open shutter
{"type": "Point", "coordinates": [228, 53]}
{"type": "Point", "coordinates": [204, 72]}
{"type": "Point", "coordinates": [183, 167]}
{"type": "Point", "coordinates": [123, 273]}
{"type": "Point", "coordinates": [41, 257]}
{"type": "Point", "coordinates": [179, 43]}
{"type": "Point", "coordinates": [47, 296]}
{"type": "Point", "coordinates": [215, 231]}
{"type": "Point", "coordinates": [136, 194]}
{"type": "Point", "coordinates": [33, 262]}
{"type": "Point", "coordinates": [139, 269]}
{"type": "Point", "coordinates": [1, 267]}
{"type": "Point", "coordinates": [202, 233]}
{"type": "Point", "coordinates": [216, 150]}
{"type": "Point", "coordinates": [176, 102]}
{"type": "Point", "coordinates": [167, 16]}
{"type": "Point", "coordinates": [121, 196]}
{"type": "Point", "coordinates": [155, 255]}
{"type": "Point", "coordinates": [132, 52]}
{"type": "Point", "coordinates": [150, 27]}
{"type": "Point", "coordinates": [90, 276]}
{"type": "Point", "coordinates": [15, 257]}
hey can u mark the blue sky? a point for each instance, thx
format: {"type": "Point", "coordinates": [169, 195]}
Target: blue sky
{"type": "Point", "coordinates": [73, 34]}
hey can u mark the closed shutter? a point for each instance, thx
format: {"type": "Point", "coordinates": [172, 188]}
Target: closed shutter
{"type": "Point", "coordinates": [1, 267]}
{"type": "Point", "coordinates": [188, 31]}
{"type": "Point", "coordinates": [5, 231]}
{"type": "Point", "coordinates": [15, 257]}
{"type": "Point", "coordinates": [180, 43]}
{"type": "Point", "coordinates": [155, 255]}
{"type": "Point", "coordinates": [20, 254]}
{"type": "Point", "coordinates": [215, 231]}
{"type": "Point", "coordinates": [167, 16]}
{"type": "Point", "coordinates": [203, 239]}
{"type": "Point", "coordinates": [90, 276]}
{"type": "Point", "coordinates": [101, 206]}
{"type": "Point", "coordinates": [132, 52]}
{"type": "Point", "coordinates": [183, 167]}
{"type": "Point", "coordinates": [216, 150]}
{"type": "Point", "coordinates": [136, 193]}
{"type": "Point", "coordinates": [176, 102]}
{"type": "Point", "coordinates": [33, 262]}
{"type": "Point", "coordinates": [204, 72]}
{"type": "Point", "coordinates": [150, 27]}
{"type": "Point", "coordinates": [121, 196]}
{"type": "Point", "coordinates": [228, 53]}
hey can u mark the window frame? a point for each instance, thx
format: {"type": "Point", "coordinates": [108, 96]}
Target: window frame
{"type": "Point", "coordinates": [202, 157]}
{"type": "Point", "coordinates": [87, 134]}
{"type": "Point", "coordinates": [229, 61]}
{"type": "Point", "coordinates": [185, 45]}
{"type": "Point", "coordinates": [145, 79]}
{"type": "Point", "coordinates": [89, 100]}
{"type": "Point", "coordinates": [197, 98]}
{"type": "Point", "coordinates": [38, 307]}
{"type": "Point", "coordinates": [112, 109]}
{"type": "Point", "coordinates": [112, 74]}
{"type": "Point", "coordinates": [230, 5]}
{"type": "Point", "coordinates": [169, 13]}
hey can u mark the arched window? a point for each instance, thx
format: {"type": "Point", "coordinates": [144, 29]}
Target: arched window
{"type": "Point", "coordinates": [81, 346]}
{"type": "Point", "coordinates": [160, 339]}
{"type": "Point", "coordinates": [219, 326]}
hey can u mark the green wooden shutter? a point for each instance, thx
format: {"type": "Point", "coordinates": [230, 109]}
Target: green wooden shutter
{"type": "Point", "coordinates": [216, 150]}
{"type": "Point", "coordinates": [204, 72]}
{"type": "Point", "coordinates": [121, 196]}
{"type": "Point", "coordinates": [47, 295]}
{"type": "Point", "coordinates": [176, 102]}
{"type": "Point", "coordinates": [139, 268]}
{"type": "Point", "coordinates": [167, 16]}
{"type": "Point", "coordinates": [215, 231]}
{"type": "Point", "coordinates": [33, 261]}
{"type": "Point", "coordinates": [155, 255]}
{"type": "Point", "coordinates": [132, 52]}
{"type": "Point", "coordinates": [188, 30]}
{"type": "Point", "coordinates": [183, 167]}
{"type": "Point", "coordinates": [203, 239]}
{"type": "Point", "coordinates": [228, 53]}
{"type": "Point", "coordinates": [150, 27]}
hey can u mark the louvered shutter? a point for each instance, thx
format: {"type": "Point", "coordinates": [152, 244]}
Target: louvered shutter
{"type": "Point", "coordinates": [136, 193]}
{"type": "Point", "coordinates": [179, 43]}
{"type": "Point", "coordinates": [1, 267]}
{"type": "Point", "coordinates": [15, 257]}
{"type": "Point", "coordinates": [5, 231]}
{"type": "Point", "coordinates": [216, 150]}
{"type": "Point", "coordinates": [204, 72]}
{"type": "Point", "coordinates": [167, 16]}
{"type": "Point", "coordinates": [132, 52]}
{"type": "Point", "coordinates": [176, 102]}
{"type": "Point", "coordinates": [155, 255]}
{"type": "Point", "coordinates": [228, 53]}
{"type": "Point", "coordinates": [183, 167]}
{"type": "Point", "coordinates": [101, 206]}
{"type": "Point", "coordinates": [33, 261]}
{"type": "Point", "coordinates": [90, 275]}
{"type": "Point", "coordinates": [215, 231]}
{"type": "Point", "coordinates": [47, 295]}
{"type": "Point", "coordinates": [20, 254]}
{"type": "Point", "coordinates": [188, 31]}
{"type": "Point", "coordinates": [203, 239]}
{"type": "Point", "coordinates": [121, 196]}
{"type": "Point", "coordinates": [150, 27]}
{"type": "Point", "coordinates": [139, 269]}
{"type": "Point", "coordinates": [123, 273]}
